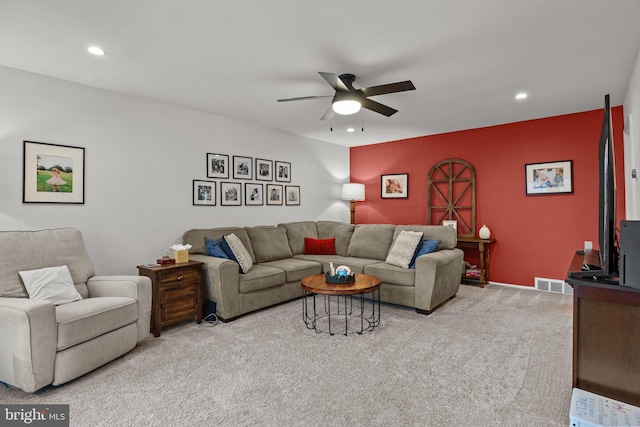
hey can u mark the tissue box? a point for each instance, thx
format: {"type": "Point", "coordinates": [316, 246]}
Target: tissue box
{"type": "Point", "coordinates": [181, 256]}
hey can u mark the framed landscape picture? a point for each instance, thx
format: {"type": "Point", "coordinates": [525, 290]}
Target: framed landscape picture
{"type": "Point", "coordinates": [52, 173]}
{"type": "Point", "coordinates": [549, 178]}
{"type": "Point", "coordinates": [217, 165]}
{"type": "Point", "coordinates": [204, 193]}
{"type": "Point", "coordinates": [264, 170]}
{"type": "Point", "coordinates": [274, 194]}
{"type": "Point", "coordinates": [394, 186]}
{"type": "Point", "coordinates": [292, 195]}
{"type": "Point", "coordinates": [253, 194]}
{"type": "Point", "coordinates": [283, 171]}
{"type": "Point", "coordinates": [230, 194]}
{"type": "Point", "coordinates": [242, 167]}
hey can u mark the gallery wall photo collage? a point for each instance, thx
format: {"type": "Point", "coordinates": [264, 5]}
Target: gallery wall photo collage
{"type": "Point", "coordinates": [270, 182]}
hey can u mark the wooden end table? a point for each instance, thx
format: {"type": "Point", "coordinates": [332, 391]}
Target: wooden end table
{"type": "Point", "coordinates": [482, 246]}
{"type": "Point", "coordinates": [176, 293]}
{"type": "Point", "coordinates": [341, 297]}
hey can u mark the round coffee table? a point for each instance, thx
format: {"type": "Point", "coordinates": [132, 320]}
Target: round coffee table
{"type": "Point", "coordinates": [340, 298]}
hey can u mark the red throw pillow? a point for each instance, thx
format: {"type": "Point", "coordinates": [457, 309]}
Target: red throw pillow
{"type": "Point", "coordinates": [319, 246]}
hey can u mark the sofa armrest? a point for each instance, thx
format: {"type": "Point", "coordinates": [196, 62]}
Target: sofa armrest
{"type": "Point", "coordinates": [136, 287]}
{"type": "Point", "coordinates": [222, 278]}
{"type": "Point", "coordinates": [28, 335]}
{"type": "Point", "coordinates": [438, 276]}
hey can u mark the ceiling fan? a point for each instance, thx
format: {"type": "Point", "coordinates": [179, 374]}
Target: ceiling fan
{"type": "Point", "coordinates": [349, 100]}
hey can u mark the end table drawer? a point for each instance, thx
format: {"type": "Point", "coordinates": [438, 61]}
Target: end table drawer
{"type": "Point", "coordinates": [184, 276]}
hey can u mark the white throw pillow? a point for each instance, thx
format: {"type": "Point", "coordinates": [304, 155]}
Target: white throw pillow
{"type": "Point", "coordinates": [242, 255]}
{"type": "Point", "coordinates": [51, 284]}
{"type": "Point", "coordinates": [403, 248]}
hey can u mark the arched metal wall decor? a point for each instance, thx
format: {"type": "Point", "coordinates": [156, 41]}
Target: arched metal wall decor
{"type": "Point", "coordinates": [452, 195]}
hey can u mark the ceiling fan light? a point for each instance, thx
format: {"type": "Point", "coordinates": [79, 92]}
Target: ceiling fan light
{"type": "Point", "coordinates": [346, 107]}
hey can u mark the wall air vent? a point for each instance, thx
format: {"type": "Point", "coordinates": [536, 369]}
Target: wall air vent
{"type": "Point", "coordinates": [552, 285]}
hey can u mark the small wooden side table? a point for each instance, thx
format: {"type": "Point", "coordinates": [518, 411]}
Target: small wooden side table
{"type": "Point", "coordinates": [482, 246]}
{"type": "Point", "coordinates": [176, 294]}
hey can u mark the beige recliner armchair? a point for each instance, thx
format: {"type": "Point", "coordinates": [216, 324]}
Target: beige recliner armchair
{"type": "Point", "coordinates": [43, 343]}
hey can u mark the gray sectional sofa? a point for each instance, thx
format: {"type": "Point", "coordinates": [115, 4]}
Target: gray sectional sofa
{"type": "Point", "coordinates": [280, 264]}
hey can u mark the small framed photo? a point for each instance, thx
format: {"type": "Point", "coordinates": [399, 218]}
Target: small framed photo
{"type": "Point", "coordinates": [274, 194]}
{"type": "Point", "coordinates": [242, 167]}
{"type": "Point", "coordinates": [217, 165]}
{"type": "Point", "coordinates": [52, 173]}
{"type": "Point", "coordinates": [230, 194]}
{"type": "Point", "coordinates": [549, 178]}
{"type": "Point", "coordinates": [292, 195]}
{"type": "Point", "coordinates": [451, 223]}
{"type": "Point", "coordinates": [283, 171]}
{"type": "Point", "coordinates": [394, 186]}
{"type": "Point", "coordinates": [253, 194]}
{"type": "Point", "coordinates": [204, 193]}
{"type": "Point", "coordinates": [264, 170]}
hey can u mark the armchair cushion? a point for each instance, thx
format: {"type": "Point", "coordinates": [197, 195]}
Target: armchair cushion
{"type": "Point", "coordinates": [50, 284]}
{"type": "Point", "coordinates": [92, 317]}
{"type": "Point", "coordinates": [30, 250]}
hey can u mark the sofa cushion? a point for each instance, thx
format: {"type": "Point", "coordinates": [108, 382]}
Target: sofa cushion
{"type": "Point", "coordinates": [261, 277]}
{"type": "Point", "coordinates": [296, 269]}
{"type": "Point", "coordinates": [29, 250]}
{"type": "Point", "coordinates": [91, 317]}
{"type": "Point", "coordinates": [215, 248]}
{"type": "Point", "coordinates": [52, 284]}
{"type": "Point", "coordinates": [341, 231]}
{"type": "Point", "coordinates": [355, 264]}
{"type": "Point", "coordinates": [371, 241]}
{"type": "Point", "coordinates": [239, 252]}
{"type": "Point", "coordinates": [446, 235]}
{"type": "Point", "coordinates": [319, 246]}
{"type": "Point", "coordinates": [269, 243]}
{"type": "Point", "coordinates": [426, 246]}
{"type": "Point", "coordinates": [404, 248]}
{"type": "Point", "coordinates": [297, 231]}
{"type": "Point", "coordinates": [388, 273]}
{"type": "Point", "coordinates": [195, 238]}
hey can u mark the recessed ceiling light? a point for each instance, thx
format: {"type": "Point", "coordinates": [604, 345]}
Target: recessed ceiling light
{"type": "Point", "coordinates": [350, 130]}
{"type": "Point", "coordinates": [96, 50]}
{"type": "Point", "coordinates": [521, 95]}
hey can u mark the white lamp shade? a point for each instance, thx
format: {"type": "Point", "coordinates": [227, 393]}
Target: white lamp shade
{"type": "Point", "coordinates": [346, 107]}
{"type": "Point", "coordinates": [353, 191]}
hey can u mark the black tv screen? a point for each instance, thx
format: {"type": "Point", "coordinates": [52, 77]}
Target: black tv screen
{"type": "Point", "coordinates": [607, 193]}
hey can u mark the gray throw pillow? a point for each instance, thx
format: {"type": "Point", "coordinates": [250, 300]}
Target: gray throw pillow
{"type": "Point", "coordinates": [402, 251]}
{"type": "Point", "coordinates": [240, 252]}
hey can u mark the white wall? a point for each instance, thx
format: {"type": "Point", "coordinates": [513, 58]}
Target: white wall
{"type": "Point", "coordinates": [141, 157]}
{"type": "Point", "coordinates": [632, 143]}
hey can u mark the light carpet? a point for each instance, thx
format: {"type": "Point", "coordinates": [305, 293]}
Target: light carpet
{"type": "Point", "coordinates": [493, 356]}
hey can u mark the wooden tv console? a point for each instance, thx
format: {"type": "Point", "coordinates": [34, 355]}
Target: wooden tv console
{"type": "Point", "coordinates": [606, 337]}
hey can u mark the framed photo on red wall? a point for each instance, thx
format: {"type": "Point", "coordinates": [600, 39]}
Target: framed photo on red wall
{"type": "Point", "coordinates": [549, 178]}
{"type": "Point", "coordinates": [394, 186]}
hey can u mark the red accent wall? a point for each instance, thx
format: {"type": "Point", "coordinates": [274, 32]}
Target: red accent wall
{"type": "Point", "coordinates": [536, 236]}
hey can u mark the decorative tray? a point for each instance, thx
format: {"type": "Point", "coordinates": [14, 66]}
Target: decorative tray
{"type": "Point", "coordinates": [342, 280]}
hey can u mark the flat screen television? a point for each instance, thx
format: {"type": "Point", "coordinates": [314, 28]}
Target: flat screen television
{"type": "Point", "coordinates": [609, 250]}
{"type": "Point", "coordinates": [602, 265]}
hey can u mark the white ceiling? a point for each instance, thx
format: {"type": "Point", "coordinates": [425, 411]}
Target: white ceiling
{"type": "Point", "coordinates": [467, 58]}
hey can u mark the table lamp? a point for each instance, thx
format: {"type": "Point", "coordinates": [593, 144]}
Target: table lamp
{"type": "Point", "coordinates": [354, 193]}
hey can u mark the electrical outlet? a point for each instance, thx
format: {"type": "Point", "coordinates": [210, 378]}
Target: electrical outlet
{"type": "Point", "coordinates": [588, 245]}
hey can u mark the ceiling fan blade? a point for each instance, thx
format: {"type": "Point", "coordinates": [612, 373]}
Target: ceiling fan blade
{"type": "Point", "coordinates": [329, 114]}
{"type": "Point", "coordinates": [377, 107]}
{"type": "Point", "coordinates": [334, 81]}
{"type": "Point", "coordinates": [303, 98]}
{"type": "Point", "coordinates": [388, 88]}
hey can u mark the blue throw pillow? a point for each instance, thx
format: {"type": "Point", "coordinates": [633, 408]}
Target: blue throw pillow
{"type": "Point", "coordinates": [424, 247]}
{"type": "Point", "coordinates": [214, 248]}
